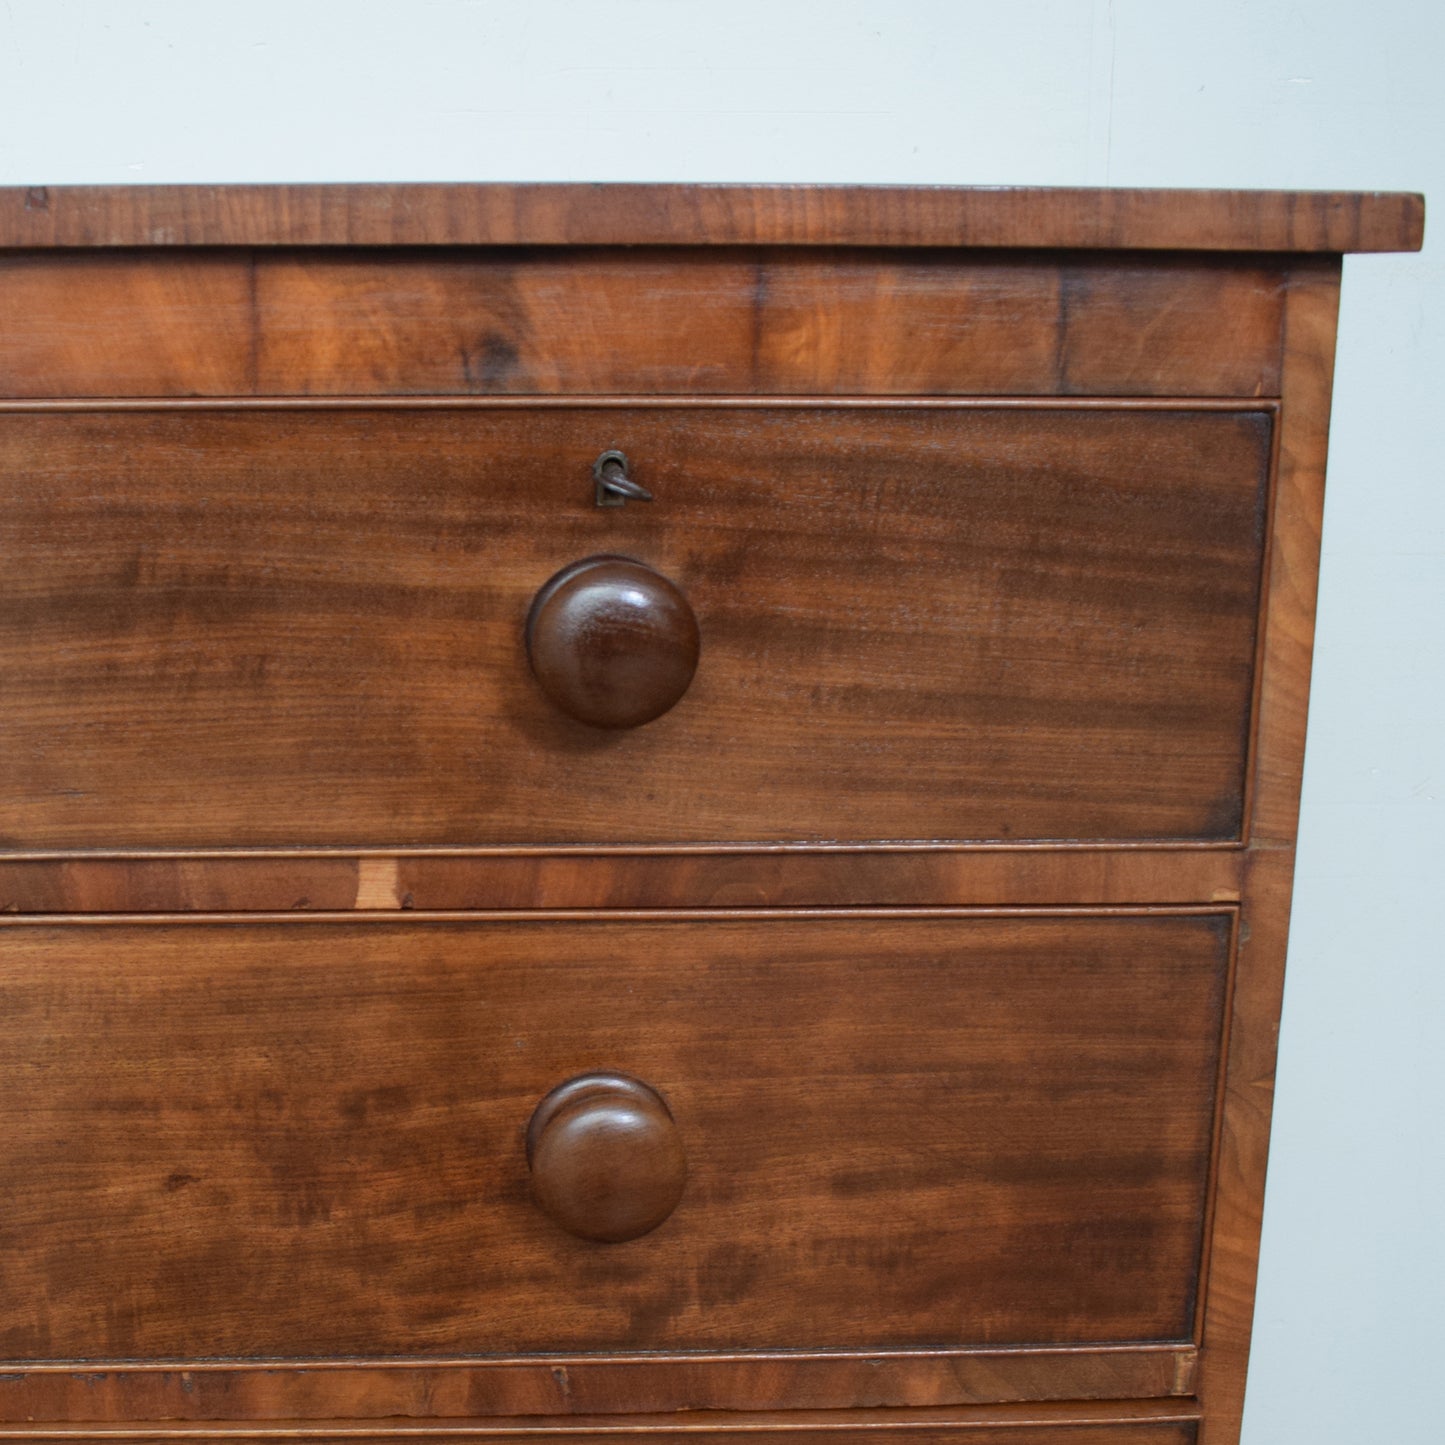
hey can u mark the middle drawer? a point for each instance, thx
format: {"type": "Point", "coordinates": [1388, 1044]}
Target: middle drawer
{"type": "Point", "coordinates": [283, 1139]}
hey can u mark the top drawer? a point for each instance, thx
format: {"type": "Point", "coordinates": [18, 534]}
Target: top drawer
{"type": "Point", "coordinates": [304, 626]}
{"type": "Point", "coordinates": [637, 322]}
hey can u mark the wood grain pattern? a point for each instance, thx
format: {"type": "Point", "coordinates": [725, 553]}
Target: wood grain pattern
{"type": "Point", "coordinates": [120, 325]}
{"type": "Point", "coordinates": [765, 323]}
{"type": "Point", "coordinates": [1174, 1433]}
{"type": "Point", "coordinates": [815, 1424]}
{"type": "Point", "coordinates": [1311, 314]}
{"type": "Point", "coordinates": [306, 1140]}
{"type": "Point", "coordinates": [1082, 1424]}
{"type": "Point", "coordinates": [280, 628]}
{"type": "Point", "coordinates": [608, 879]}
{"type": "Point", "coordinates": [436, 1395]}
{"type": "Point", "coordinates": [667, 322]}
{"type": "Point", "coordinates": [611, 642]}
{"type": "Point", "coordinates": [715, 215]}
{"type": "Point", "coordinates": [991, 1175]}
{"type": "Point", "coordinates": [606, 1158]}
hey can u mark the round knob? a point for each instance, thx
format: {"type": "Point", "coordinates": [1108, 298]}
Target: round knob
{"type": "Point", "coordinates": [605, 1156]}
{"type": "Point", "coordinates": [612, 642]}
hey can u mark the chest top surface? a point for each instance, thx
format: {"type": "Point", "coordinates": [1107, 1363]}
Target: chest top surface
{"type": "Point", "coordinates": [1063, 218]}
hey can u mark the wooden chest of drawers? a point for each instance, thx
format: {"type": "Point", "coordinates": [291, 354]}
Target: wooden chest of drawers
{"type": "Point", "coordinates": [649, 811]}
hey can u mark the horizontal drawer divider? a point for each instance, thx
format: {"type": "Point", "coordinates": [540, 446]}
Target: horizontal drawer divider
{"type": "Point", "coordinates": [413, 882]}
{"type": "Point", "coordinates": [394, 1389]}
{"type": "Point", "coordinates": [531, 401]}
{"type": "Point", "coordinates": [692, 1423]}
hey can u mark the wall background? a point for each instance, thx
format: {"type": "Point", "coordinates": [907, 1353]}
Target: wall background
{"type": "Point", "coordinates": [1329, 94]}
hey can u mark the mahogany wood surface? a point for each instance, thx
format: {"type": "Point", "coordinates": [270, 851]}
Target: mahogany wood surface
{"type": "Point", "coordinates": [945, 913]}
{"type": "Point", "coordinates": [628, 322]}
{"type": "Point", "coordinates": [737, 878]}
{"type": "Point", "coordinates": [987, 1427]}
{"type": "Point", "coordinates": [606, 1158]}
{"type": "Point", "coordinates": [257, 628]}
{"type": "Point", "coordinates": [1311, 312]}
{"type": "Point", "coordinates": [611, 642]}
{"type": "Point", "coordinates": [1013, 1386]}
{"type": "Point", "coordinates": [714, 215]}
{"type": "Point", "coordinates": [1170, 1433]}
{"type": "Point", "coordinates": [307, 1139]}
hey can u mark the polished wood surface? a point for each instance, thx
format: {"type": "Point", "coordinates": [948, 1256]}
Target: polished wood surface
{"type": "Point", "coordinates": [713, 215]}
{"type": "Point", "coordinates": [251, 628]}
{"type": "Point", "coordinates": [1176, 1433]}
{"type": "Point", "coordinates": [1152, 1423]}
{"type": "Point", "coordinates": [307, 1139]}
{"type": "Point", "coordinates": [1311, 314]}
{"type": "Point", "coordinates": [606, 1158]}
{"type": "Point", "coordinates": [264, 882]}
{"type": "Point", "coordinates": [629, 322]}
{"type": "Point", "coordinates": [932, 943]}
{"type": "Point", "coordinates": [437, 1393]}
{"type": "Point", "coordinates": [611, 642]}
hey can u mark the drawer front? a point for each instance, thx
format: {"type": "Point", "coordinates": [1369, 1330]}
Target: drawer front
{"type": "Point", "coordinates": [239, 628]}
{"type": "Point", "coordinates": [291, 1139]}
{"type": "Point", "coordinates": [893, 1431]}
{"type": "Point", "coordinates": [636, 321]}
{"type": "Point", "coordinates": [1172, 1432]}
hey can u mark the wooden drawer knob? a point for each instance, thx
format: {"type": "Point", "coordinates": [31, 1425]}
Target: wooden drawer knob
{"type": "Point", "coordinates": [612, 642]}
{"type": "Point", "coordinates": [605, 1156]}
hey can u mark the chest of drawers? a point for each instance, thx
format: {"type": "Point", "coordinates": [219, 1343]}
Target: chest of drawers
{"type": "Point", "coordinates": [649, 811]}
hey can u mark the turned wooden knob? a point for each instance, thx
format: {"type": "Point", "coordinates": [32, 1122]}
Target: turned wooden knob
{"type": "Point", "coordinates": [612, 642]}
{"type": "Point", "coordinates": [605, 1156]}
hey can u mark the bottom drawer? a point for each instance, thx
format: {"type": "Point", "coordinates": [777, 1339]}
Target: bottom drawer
{"type": "Point", "coordinates": [303, 1140]}
{"type": "Point", "coordinates": [863, 1432]}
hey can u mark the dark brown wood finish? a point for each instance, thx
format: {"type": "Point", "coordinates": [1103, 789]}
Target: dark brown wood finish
{"type": "Point", "coordinates": [435, 1393]}
{"type": "Point", "coordinates": [1173, 1433]}
{"type": "Point", "coordinates": [611, 642]}
{"type": "Point", "coordinates": [284, 1139]}
{"type": "Point", "coordinates": [712, 215]}
{"type": "Point", "coordinates": [1111, 1425]}
{"type": "Point", "coordinates": [1312, 309]}
{"type": "Point", "coordinates": [606, 1158]}
{"type": "Point", "coordinates": [277, 628]}
{"type": "Point", "coordinates": [999, 514]}
{"type": "Point", "coordinates": [608, 878]}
